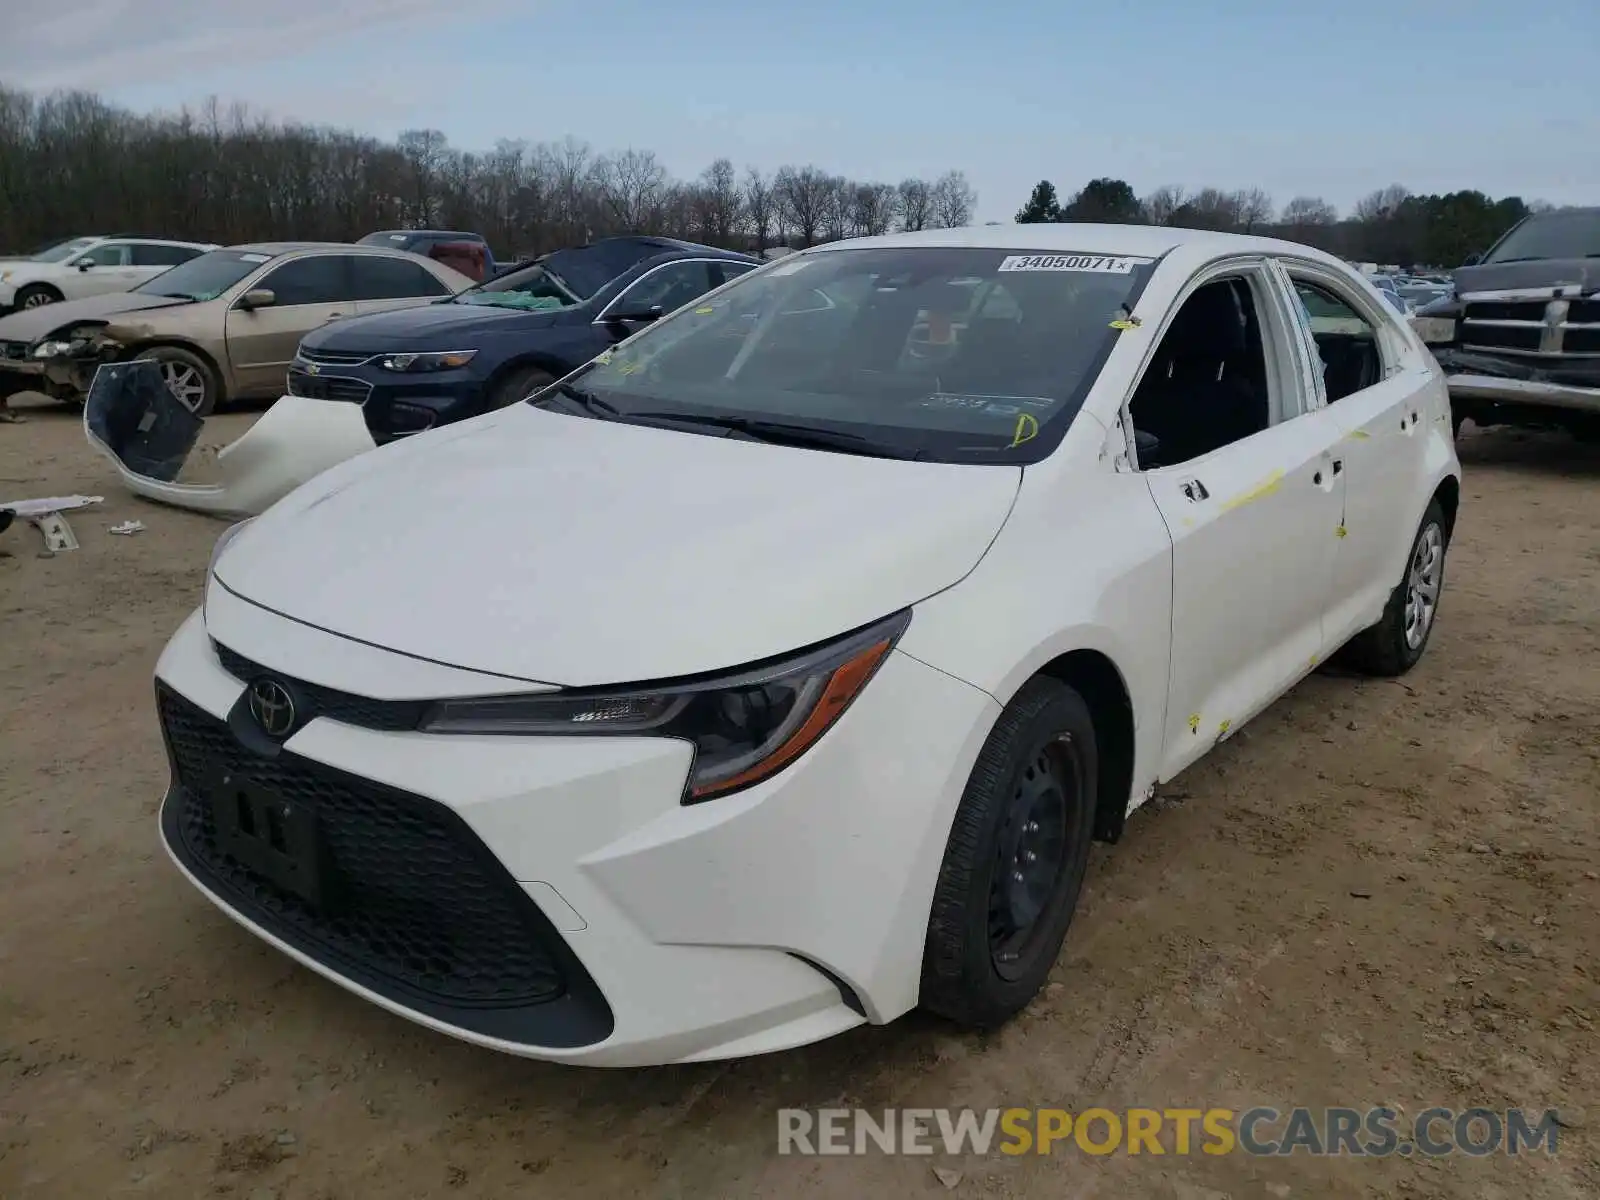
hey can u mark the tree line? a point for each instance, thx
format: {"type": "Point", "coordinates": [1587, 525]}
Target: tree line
{"type": "Point", "coordinates": [70, 163]}
{"type": "Point", "coordinates": [1389, 225]}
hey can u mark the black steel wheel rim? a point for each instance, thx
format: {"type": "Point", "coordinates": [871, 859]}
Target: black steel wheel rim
{"type": "Point", "coordinates": [1034, 856]}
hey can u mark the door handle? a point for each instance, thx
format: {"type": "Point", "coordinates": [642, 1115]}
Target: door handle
{"type": "Point", "coordinates": [1338, 466]}
{"type": "Point", "coordinates": [1194, 490]}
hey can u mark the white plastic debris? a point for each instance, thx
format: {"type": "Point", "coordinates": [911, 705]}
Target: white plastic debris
{"type": "Point", "coordinates": [127, 528]}
{"type": "Point", "coordinates": [49, 504]}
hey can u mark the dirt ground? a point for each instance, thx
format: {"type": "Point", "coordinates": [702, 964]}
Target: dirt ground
{"type": "Point", "coordinates": [1378, 892]}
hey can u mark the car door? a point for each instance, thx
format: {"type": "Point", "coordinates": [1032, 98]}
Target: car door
{"type": "Point", "coordinates": [383, 283]}
{"type": "Point", "coordinates": [100, 269]}
{"type": "Point", "coordinates": [1371, 381]}
{"type": "Point", "coordinates": [308, 291]}
{"type": "Point", "coordinates": [667, 287]}
{"type": "Point", "coordinates": [1253, 520]}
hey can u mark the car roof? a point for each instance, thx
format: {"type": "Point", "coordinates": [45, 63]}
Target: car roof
{"type": "Point", "coordinates": [1145, 241]}
{"type": "Point", "coordinates": [664, 245]}
{"type": "Point", "coordinates": [276, 248]}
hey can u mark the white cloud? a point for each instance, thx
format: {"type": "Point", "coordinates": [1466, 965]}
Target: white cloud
{"type": "Point", "coordinates": [102, 44]}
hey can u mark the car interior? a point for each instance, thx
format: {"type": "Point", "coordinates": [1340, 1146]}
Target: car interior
{"type": "Point", "coordinates": [1206, 387]}
{"type": "Point", "coordinates": [1346, 341]}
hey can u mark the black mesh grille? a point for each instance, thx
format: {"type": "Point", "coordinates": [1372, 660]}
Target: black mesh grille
{"type": "Point", "coordinates": [1505, 310]}
{"type": "Point", "coordinates": [1509, 337]}
{"type": "Point", "coordinates": [419, 906]}
{"type": "Point", "coordinates": [1581, 341]}
{"type": "Point", "coordinates": [393, 715]}
{"type": "Point", "coordinates": [328, 387]}
{"type": "Point", "coordinates": [1584, 312]}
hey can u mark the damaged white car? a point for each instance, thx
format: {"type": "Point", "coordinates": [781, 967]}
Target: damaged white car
{"type": "Point", "coordinates": [796, 651]}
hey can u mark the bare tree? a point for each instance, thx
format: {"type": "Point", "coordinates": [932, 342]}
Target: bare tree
{"type": "Point", "coordinates": [874, 208]}
{"type": "Point", "coordinates": [722, 200]}
{"type": "Point", "coordinates": [803, 193]}
{"type": "Point", "coordinates": [760, 207]}
{"type": "Point", "coordinates": [1382, 204]}
{"type": "Point", "coordinates": [1160, 204]}
{"type": "Point", "coordinates": [916, 204]}
{"type": "Point", "coordinates": [632, 186]}
{"type": "Point", "coordinates": [953, 200]}
{"type": "Point", "coordinates": [1252, 208]}
{"type": "Point", "coordinates": [1309, 210]}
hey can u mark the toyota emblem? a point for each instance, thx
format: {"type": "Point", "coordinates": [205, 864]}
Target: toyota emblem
{"type": "Point", "coordinates": [273, 707]}
{"type": "Point", "coordinates": [313, 369]}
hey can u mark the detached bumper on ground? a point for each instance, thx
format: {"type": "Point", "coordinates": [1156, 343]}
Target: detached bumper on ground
{"type": "Point", "coordinates": [135, 421]}
{"type": "Point", "coordinates": [551, 896]}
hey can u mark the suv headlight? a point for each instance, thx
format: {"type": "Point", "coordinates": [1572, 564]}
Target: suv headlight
{"type": "Point", "coordinates": [441, 360]}
{"type": "Point", "coordinates": [744, 726]}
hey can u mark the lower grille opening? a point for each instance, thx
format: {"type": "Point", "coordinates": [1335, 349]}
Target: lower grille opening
{"type": "Point", "coordinates": [403, 898]}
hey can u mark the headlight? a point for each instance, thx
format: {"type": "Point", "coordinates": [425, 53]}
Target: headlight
{"type": "Point", "coordinates": [228, 534]}
{"type": "Point", "coordinates": [745, 727]}
{"type": "Point", "coordinates": [443, 360]}
{"type": "Point", "coordinates": [55, 348]}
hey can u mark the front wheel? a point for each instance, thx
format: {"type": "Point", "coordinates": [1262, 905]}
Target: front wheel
{"type": "Point", "coordinates": [1395, 644]}
{"type": "Point", "coordinates": [519, 384]}
{"type": "Point", "coordinates": [35, 295]}
{"type": "Point", "coordinates": [1015, 860]}
{"type": "Point", "coordinates": [188, 376]}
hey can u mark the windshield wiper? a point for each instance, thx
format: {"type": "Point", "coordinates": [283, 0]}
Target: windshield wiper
{"type": "Point", "coordinates": [781, 433]}
{"type": "Point", "coordinates": [584, 400]}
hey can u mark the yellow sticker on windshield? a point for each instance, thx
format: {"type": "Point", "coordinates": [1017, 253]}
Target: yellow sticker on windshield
{"type": "Point", "coordinates": [1027, 429]}
{"type": "Point", "coordinates": [1130, 323]}
{"type": "Point", "coordinates": [705, 310]}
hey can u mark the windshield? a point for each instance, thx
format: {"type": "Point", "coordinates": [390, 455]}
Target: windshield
{"type": "Point", "coordinates": [1574, 234]}
{"type": "Point", "coordinates": [532, 289]}
{"type": "Point", "coordinates": [205, 277]}
{"type": "Point", "coordinates": [947, 354]}
{"type": "Point", "coordinates": [64, 250]}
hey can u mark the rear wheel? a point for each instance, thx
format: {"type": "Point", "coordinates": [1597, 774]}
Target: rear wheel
{"type": "Point", "coordinates": [519, 384]}
{"type": "Point", "coordinates": [1395, 644]}
{"type": "Point", "coordinates": [1015, 860]}
{"type": "Point", "coordinates": [187, 375]}
{"type": "Point", "coordinates": [36, 295]}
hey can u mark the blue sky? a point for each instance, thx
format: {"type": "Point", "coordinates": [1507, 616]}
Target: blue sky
{"type": "Point", "coordinates": [1328, 99]}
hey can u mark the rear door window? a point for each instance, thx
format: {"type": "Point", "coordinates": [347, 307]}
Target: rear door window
{"type": "Point", "coordinates": [394, 279]}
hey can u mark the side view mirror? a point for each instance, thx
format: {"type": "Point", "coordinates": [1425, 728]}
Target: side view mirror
{"type": "Point", "coordinates": [257, 298]}
{"type": "Point", "coordinates": [640, 313]}
{"type": "Point", "coordinates": [1472, 260]}
{"type": "Point", "coordinates": [1148, 447]}
{"type": "Point", "coordinates": [83, 264]}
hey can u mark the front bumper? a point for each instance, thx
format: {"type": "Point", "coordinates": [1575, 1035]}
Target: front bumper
{"type": "Point", "coordinates": [1570, 384]}
{"type": "Point", "coordinates": [394, 404]}
{"type": "Point", "coordinates": [661, 933]}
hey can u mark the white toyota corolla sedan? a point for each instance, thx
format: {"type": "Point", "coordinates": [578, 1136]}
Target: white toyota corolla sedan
{"type": "Point", "coordinates": [773, 673]}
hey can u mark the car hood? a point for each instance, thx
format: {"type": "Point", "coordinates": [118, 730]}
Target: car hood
{"type": "Point", "coordinates": [427, 328]}
{"type": "Point", "coordinates": [34, 323]}
{"type": "Point", "coordinates": [1583, 273]}
{"type": "Point", "coordinates": [571, 551]}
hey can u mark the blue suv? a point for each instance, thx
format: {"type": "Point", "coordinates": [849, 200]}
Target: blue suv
{"type": "Point", "coordinates": [493, 344]}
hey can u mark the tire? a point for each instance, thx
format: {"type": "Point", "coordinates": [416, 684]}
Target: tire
{"type": "Point", "coordinates": [188, 375]}
{"type": "Point", "coordinates": [1394, 645]}
{"type": "Point", "coordinates": [35, 295]}
{"type": "Point", "coordinates": [972, 972]}
{"type": "Point", "coordinates": [517, 385]}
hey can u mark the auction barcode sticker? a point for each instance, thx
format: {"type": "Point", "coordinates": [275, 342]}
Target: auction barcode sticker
{"type": "Point", "coordinates": [1110, 264]}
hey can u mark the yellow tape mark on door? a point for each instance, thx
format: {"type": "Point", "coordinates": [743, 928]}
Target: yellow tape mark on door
{"type": "Point", "coordinates": [1261, 491]}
